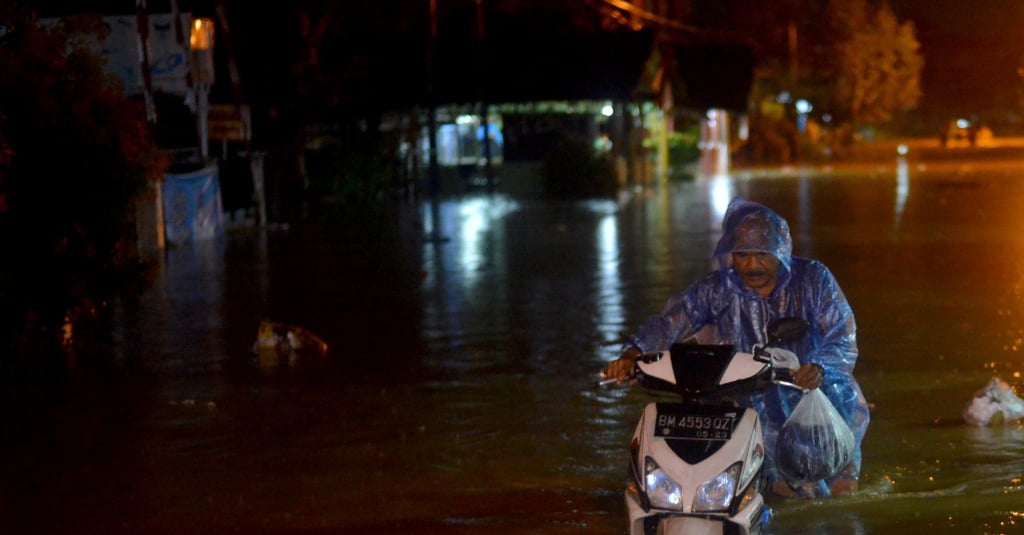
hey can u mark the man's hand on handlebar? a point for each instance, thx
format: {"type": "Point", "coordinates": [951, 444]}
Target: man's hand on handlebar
{"type": "Point", "coordinates": [622, 368]}
{"type": "Point", "coordinates": [808, 376]}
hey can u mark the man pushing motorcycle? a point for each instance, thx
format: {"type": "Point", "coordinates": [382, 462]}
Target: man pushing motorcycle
{"type": "Point", "coordinates": [757, 279]}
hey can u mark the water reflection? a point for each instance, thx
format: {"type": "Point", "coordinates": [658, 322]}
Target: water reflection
{"type": "Point", "coordinates": [611, 315]}
{"type": "Point", "coordinates": [998, 458]}
{"type": "Point", "coordinates": [902, 189]}
{"type": "Point", "coordinates": [465, 335]}
{"type": "Point", "coordinates": [187, 310]}
{"type": "Point", "coordinates": [721, 192]}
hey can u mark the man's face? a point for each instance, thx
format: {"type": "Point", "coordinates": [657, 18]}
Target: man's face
{"type": "Point", "coordinates": [757, 270]}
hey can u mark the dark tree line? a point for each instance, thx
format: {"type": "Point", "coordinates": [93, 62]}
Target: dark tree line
{"type": "Point", "coordinates": [74, 155]}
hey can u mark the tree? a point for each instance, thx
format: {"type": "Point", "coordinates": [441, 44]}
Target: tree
{"type": "Point", "coordinates": [876, 64]}
{"type": "Point", "coordinates": [74, 154]}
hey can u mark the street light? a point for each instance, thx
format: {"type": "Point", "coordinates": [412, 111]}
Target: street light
{"type": "Point", "coordinates": [201, 46]}
{"type": "Point", "coordinates": [802, 109]}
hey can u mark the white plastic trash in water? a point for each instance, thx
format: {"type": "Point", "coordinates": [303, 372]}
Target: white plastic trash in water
{"type": "Point", "coordinates": [996, 404]}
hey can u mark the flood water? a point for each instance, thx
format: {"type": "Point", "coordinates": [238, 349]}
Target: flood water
{"type": "Point", "coordinates": [465, 336]}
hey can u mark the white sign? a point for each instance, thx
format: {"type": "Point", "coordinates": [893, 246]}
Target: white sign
{"type": "Point", "coordinates": [168, 59]}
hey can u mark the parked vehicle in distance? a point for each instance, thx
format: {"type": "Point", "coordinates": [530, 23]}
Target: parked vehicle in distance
{"type": "Point", "coordinates": [962, 132]}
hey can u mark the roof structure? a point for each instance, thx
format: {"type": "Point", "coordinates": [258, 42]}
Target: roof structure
{"type": "Point", "coordinates": [616, 66]}
{"type": "Point", "coordinates": [714, 75]}
{"type": "Point", "coordinates": [596, 66]}
{"type": "Point", "coordinates": [519, 67]}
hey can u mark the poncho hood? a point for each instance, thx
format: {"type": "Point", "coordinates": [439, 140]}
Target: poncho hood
{"type": "Point", "coordinates": [749, 226]}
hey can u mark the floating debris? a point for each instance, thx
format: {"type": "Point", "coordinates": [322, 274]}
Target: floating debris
{"type": "Point", "coordinates": [192, 403]}
{"type": "Point", "coordinates": [280, 343]}
{"type": "Point", "coordinates": [996, 404]}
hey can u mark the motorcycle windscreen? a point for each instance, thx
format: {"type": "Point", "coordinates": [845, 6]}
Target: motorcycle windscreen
{"type": "Point", "coordinates": [699, 367]}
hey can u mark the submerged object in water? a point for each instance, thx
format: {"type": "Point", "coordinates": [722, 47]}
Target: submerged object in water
{"type": "Point", "coordinates": [996, 404]}
{"type": "Point", "coordinates": [288, 339]}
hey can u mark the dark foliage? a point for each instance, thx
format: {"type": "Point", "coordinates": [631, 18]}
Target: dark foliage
{"type": "Point", "coordinates": [574, 170]}
{"type": "Point", "coordinates": [74, 154]}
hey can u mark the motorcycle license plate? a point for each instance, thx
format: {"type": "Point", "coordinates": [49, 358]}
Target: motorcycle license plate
{"type": "Point", "coordinates": [696, 423]}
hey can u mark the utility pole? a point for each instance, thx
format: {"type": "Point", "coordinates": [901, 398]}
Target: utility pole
{"type": "Point", "coordinates": [484, 105]}
{"type": "Point", "coordinates": [142, 31]}
{"type": "Point", "coordinates": [433, 173]}
{"type": "Point", "coordinates": [794, 70]}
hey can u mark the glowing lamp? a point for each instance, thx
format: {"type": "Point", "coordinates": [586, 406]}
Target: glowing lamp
{"type": "Point", "coordinates": [200, 42]}
{"type": "Point", "coordinates": [201, 37]}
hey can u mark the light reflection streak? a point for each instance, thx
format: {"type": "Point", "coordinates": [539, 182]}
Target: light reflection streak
{"type": "Point", "coordinates": [432, 257]}
{"type": "Point", "coordinates": [902, 189]}
{"type": "Point", "coordinates": [463, 243]}
{"type": "Point", "coordinates": [722, 191]}
{"type": "Point", "coordinates": [470, 222]}
{"type": "Point", "coordinates": [474, 221]}
{"type": "Point", "coordinates": [611, 317]}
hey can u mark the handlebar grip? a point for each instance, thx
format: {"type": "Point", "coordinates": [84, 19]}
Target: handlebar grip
{"type": "Point", "coordinates": [647, 358]}
{"type": "Point", "coordinates": [784, 377]}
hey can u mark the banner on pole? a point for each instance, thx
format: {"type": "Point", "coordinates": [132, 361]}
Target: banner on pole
{"type": "Point", "coordinates": [193, 210]}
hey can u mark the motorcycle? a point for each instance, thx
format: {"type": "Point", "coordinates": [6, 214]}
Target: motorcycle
{"type": "Point", "coordinates": [696, 463]}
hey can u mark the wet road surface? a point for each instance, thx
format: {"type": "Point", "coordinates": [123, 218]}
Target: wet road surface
{"type": "Point", "coordinates": [465, 335]}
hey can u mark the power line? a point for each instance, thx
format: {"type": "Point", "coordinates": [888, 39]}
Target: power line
{"type": "Point", "coordinates": [625, 5]}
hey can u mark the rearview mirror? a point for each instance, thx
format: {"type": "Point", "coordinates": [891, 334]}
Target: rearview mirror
{"type": "Point", "coordinates": [785, 330]}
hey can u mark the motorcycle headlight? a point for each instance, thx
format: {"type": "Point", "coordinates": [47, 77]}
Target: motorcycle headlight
{"type": "Point", "coordinates": [662, 492]}
{"type": "Point", "coordinates": [716, 495]}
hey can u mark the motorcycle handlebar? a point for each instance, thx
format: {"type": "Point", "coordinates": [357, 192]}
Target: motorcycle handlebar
{"type": "Point", "coordinates": [651, 356]}
{"type": "Point", "coordinates": [780, 375]}
{"type": "Point", "coordinates": [783, 377]}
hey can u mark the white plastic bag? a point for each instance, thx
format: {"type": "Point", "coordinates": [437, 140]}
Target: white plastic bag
{"type": "Point", "coordinates": [996, 404]}
{"type": "Point", "coordinates": [815, 443]}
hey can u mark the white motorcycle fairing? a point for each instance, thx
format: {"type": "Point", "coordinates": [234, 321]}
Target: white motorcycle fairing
{"type": "Point", "coordinates": [740, 367]}
{"type": "Point", "coordinates": [696, 468]}
{"type": "Point", "coordinates": [660, 439]}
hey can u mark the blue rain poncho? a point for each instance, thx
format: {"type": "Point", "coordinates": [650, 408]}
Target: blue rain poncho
{"type": "Point", "coordinates": [719, 309]}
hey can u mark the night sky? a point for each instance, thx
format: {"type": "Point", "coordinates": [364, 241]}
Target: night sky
{"type": "Point", "coordinates": [971, 52]}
